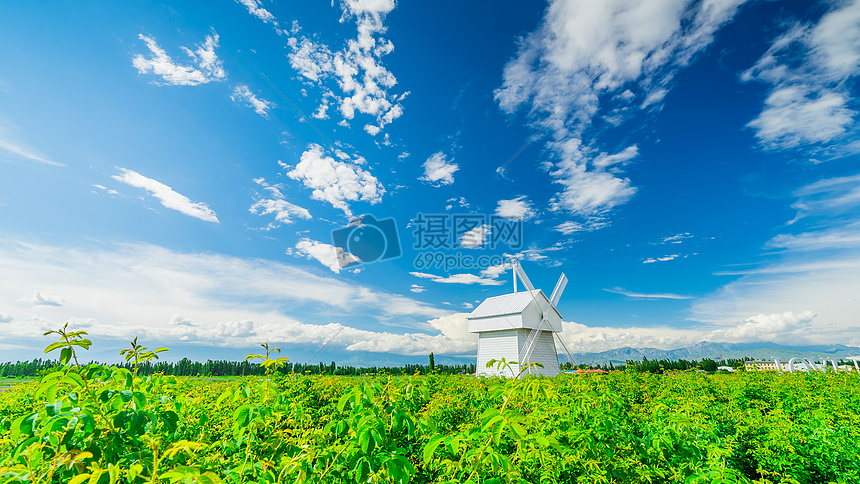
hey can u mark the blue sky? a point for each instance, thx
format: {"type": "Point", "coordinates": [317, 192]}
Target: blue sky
{"type": "Point", "coordinates": [691, 166]}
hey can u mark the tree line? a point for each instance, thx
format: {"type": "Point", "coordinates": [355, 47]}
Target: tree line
{"type": "Point", "coordinates": [663, 366]}
{"type": "Point", "coordinates": [187, 367]}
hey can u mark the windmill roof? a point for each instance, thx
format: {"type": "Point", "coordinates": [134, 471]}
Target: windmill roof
{"type": "Point", "coordinates": [505, 304]}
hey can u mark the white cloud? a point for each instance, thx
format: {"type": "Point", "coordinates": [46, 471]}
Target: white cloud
{"type": "Point", "coordinates": [677, 238]}
{"type": "Point", "coordinates": [179, 320]}
{"type": "Point", "coordinates": [335, 258]}
{"type": "Point", "coordinates": [256, 9]}
{"type": "Point", "coordinates": [356, 70]}
{"type": "Point", "coordinates": [639, 295]}
{"type": "Point", "coordinates": [793, 116]}
{"type": "Point", "coordinates": [417, 288]}
{"type": "Point", "coordinates": [786, 328]}
{"type": "Point", "coordinates": [665, 258]}
{"type": "Point", "coordinates": [40, 299]}
{"type": "Point", "coordinates": [493, 272]}
{"type": "Point", "coordinates": [460, 201]}
{"type": "Point", "coordinates": [582, 338]}
{"type": "Point", "coordinates": [109, 191]}
{"type": "Point", "coordinates": [454, 339]}
{"type": "Point", "coordinates": [261, 106]}
{"type": "Point", "coordinates": [769, 327]}
{"type": "Point", "coordinates": [476, 237]}
{"type": "Point", "coordinates": [205, 65]}
{"type": "Point", "coordinates": [312, 60]}
{"type": "Point", "coordinates": [119, 291]}
{"type": "Point", "coordinates": [167, 196]}
{"type": "Point", "coordinates": [459, 279]}
{"type": "Point", "coordinates": [518, 208]}
{"type": "Point", "coordinates": [468, 305]}
{"type": "Point", "coordinates": [639, 46]}
{"type": "Point", "coordinates": [5, 318]}
{"type": "Point", "coordinates": [588, 225]}
{"type": "Point", "coordinates": [569, 227]}
{"type": "Point", "coordinates": [284, 211]}
{"type": "Point", "coordinates": [586, 192]}
{"type": "Point", "coordinates": [845, 237]}
{"type": "Point", "coordinates": [810, 68]}
{"type": "Point", "coordinates": [334, 181]}
{"type": "Point", "coordinates": [438, 170]}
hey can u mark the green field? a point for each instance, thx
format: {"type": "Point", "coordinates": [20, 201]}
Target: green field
{"type": "Point", "coordinates": [101, 424]}
{"type": "Point", "coordinates": [7, 384]}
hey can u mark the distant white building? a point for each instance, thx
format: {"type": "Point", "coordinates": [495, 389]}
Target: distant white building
{"type": "Point", "coordinates": [518, 327]}
{"type": "Point", "coordinates": [725, 368]}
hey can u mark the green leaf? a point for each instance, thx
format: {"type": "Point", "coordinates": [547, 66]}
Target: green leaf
{"type": "Point", "coordinates": [78, 479]}
{"type": "Point", "coordinates": [491, 422]}
{"type": "Point", "coordinates": [45, 389]}
{"type": "Point", "coordinates": [498, 429]}
{"type": "Point", "coordinates": [65, 356]}
{"type": "Point", "coordinates": [365, 440]}
{"type": "Point", "coordinates": [227, 394]}
{"type": "Point", "coordinates": [431, 446]}
{"type": "Point", "coordinates": [362, 470]}
{"type": "Point", "coordinates": [240, 416]}
{"type": "Point", "coordinates": [54, 408]}
{"type": "Point", "coordinates": [209, 478]}
{"type": "Point", "coordinates": [74, 379]}
{"type": "Point", "coordinates": [518, 429]}
{"type": "Point", "coordinates": [51, 347]}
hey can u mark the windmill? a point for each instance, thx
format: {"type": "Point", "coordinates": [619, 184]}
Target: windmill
{"type": "Point", "coordinates": [518, 327]}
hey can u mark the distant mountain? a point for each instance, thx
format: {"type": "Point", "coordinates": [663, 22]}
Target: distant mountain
{"type": "Point", "coordinates": [760, 350]}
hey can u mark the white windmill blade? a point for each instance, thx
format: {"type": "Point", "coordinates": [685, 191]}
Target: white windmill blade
{"type": "Point", "coordinates": [559, 288]}
{"type": "Point", "coordinates": [523, 277]}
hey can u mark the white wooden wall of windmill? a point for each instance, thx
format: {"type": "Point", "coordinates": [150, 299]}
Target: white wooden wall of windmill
{"type": "Point", "coordinates": [518, 327]}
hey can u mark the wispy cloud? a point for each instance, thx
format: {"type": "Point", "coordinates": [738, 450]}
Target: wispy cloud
{"type": "Point", "coordinates": [640, 295]}
{"type": "Point", "coordinates": [284, 211]}
{"type": "Point", "coordinates": [439, 170]}
{"type": "Point", "coordinates": [261, 106]}
{"type": "Point", "coordinates": [677, 238]}
{"type": "Point", "coordinates": [665, 258]}
{"type": "Point", "coordinates": [204, 67]}
{"type": "Point", "coordinates": [256, 9]}
{"type": "Point", "coordinates": [166, 195]}
{"type": "Point", "coordinates": [40, 299]}
{"type": "Point", "coordinates": [10, 143]}
{"type": "Point", "coordinates": [827, 197]}
{"type": "Point", "coordinates": [842, 237]}
{"type": "Point", "coordinates": [810, 69]}
{"type": "Point", "coordinates": [460, 279]}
